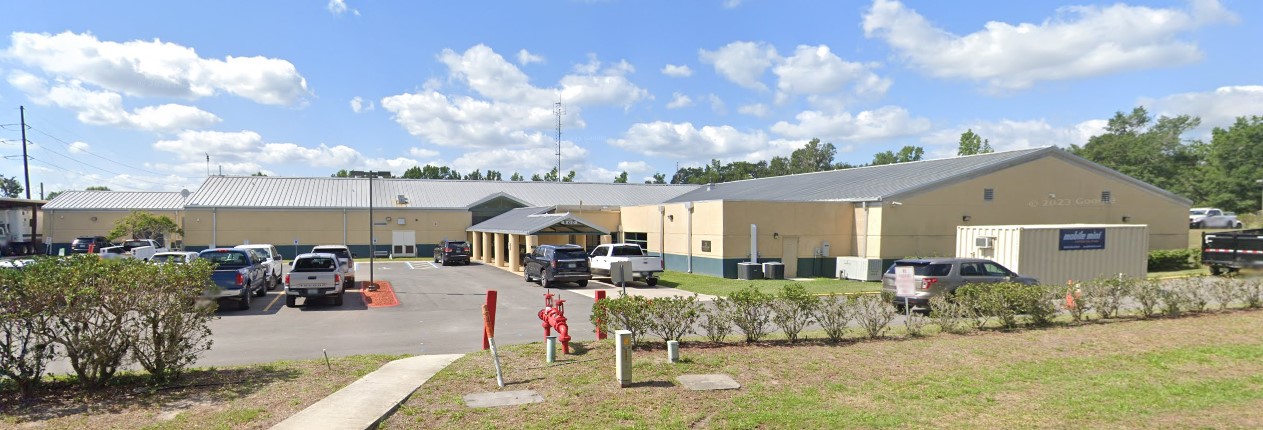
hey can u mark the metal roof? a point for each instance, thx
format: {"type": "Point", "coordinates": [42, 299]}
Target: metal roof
{"type": "Point", "coordinates": [537, 221]}
{"type": "Point", "coordinates": [280, 192]}
{"type": "Point", "coordinates": [116, 200]}
{"type": "Point", "coordinates": [875, 183]}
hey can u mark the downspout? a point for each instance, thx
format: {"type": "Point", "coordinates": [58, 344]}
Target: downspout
{"type": "Point", "coordinates": [689, 235]}
{"type": "Point", "coordinates": [344, 226]}
{"type": "Point", "coordinates": [214, 227]}
{"type": "Point", "coordinates": [864, 247]}
{"type": "Point", "coordinates": [662, 232]}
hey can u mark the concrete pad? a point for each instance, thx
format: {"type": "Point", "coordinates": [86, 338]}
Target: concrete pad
{"type": "Point", "coordinates": [714, 381]}
{"type": "Point", "coordinates": [502, 398]}
{"type": "Point", "coordinates": [366, 401]}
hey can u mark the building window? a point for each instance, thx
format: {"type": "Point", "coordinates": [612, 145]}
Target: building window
{"type": "Point", "coordinates": [641, 239]}
{"type": "Point", "coordinates": [988, 194]}
{"type": "Point", "coordinates": [1105, 197]}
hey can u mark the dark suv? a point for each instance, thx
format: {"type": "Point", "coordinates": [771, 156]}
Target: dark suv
{"type": "Point", "coordinates": [86, 244]}
{"type": "Point", "coordinates": [557, 263]}
{"type": "Point", "coordinates": [452, 251]}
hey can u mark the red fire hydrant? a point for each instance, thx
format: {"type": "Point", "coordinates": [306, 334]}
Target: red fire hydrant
{"type": "Point", "coordinates": [554, 317]}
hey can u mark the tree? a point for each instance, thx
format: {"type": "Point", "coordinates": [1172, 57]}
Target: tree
{"type": "Point", "coordinates": [97, 188]}
{"type": "Point", "coordinates": [551, 176]}
{"type": "Point", "coordinates": [621, 178]}
{"type": "Point", "coordinates": [413, 172]}
{"type": "Point", "coordinates": [341, 174]}
{"type": "Point", "coordinates": [536, 178]}
{"type": "Point", "coordinates": [973, 144]}
{"type": "Point", "coordinates": [1136, 146]}
{"type": "Point", "coordinates": [1234, 161]}
{"type": "Point", "coordinates": [475, 175]}
{"type": "Point", "coordinates": [812, 157]}
{"type": "Point", "coordinates": [143, 225]}
{"type": "Point", "coordinates": [493, 175]}
{"type": "Point", "coordinates": [658, 178]}
{"type": "Point", "coordinates": [52, 195]}
{"type": "Point", "coordinates": [905, 154]}
{"type": "Point", "coordinates": [517, 177]}
{"type": "Point", "coordinates": [259, 173]}
{"type": "Point", "coordinates": [10, 187]}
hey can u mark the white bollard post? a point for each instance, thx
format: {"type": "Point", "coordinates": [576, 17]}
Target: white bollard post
{"type": "Point", "coordinates": [673, 351]}
{"type": "Point", "coordinates": [550, 344]}
{"type": "Point", "coordinates": [622, 357]}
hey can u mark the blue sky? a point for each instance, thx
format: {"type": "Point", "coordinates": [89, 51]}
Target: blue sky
{"type": "Point", "coordinates": [135, 95]}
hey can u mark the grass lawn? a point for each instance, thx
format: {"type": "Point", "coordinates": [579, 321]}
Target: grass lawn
{"type": "Point", "coordinates": [1203, 371]}
{"type": "Point", "coordinates": [243, 397]}
{"type": "Point", "coordinates": [722, 287]}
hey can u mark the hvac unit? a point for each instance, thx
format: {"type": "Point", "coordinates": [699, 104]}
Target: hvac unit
{"type": "Point", "coordinates": [859, 268]}
{"type": "Point", "coordinates": [984, 242]}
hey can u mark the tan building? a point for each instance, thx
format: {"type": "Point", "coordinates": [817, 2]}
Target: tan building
{"type": "Point", "coordinates": [805, 221]}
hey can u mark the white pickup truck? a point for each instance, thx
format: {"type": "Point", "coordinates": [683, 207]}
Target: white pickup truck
{"type": "Point", "coordinates": [1212, 218]}
{"type": "Point", "coordinates": [142, 249]}
{"type": "Point", "coordinates": [314, 276]}
{"type": "Point", "coordinates": [643, 266]}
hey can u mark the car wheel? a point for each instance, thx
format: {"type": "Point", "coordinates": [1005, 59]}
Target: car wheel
{"type": "Point", "coordinates": [526, 275]}
{"type": "Point", "coordinates": [244, 303]}
{"type": "Point", "coordinates": [261, 291]}
{"type": "Point", "coordinates": [1237, 225]}
{"type": "Point", "coordinates": [291, 301]}
{"type": "Point", "coordinates": [276, 282]}
{"type": "Point", "coordinates": [583, 283]}
{"type": "Point", "coordinates": [543, 281]}
{"type": "Point", "coordinates": [651, 281]}
{"type": "Point", "coordinates": [337, 300]}
{"type": "Point", "coordinates": [1197, 225]}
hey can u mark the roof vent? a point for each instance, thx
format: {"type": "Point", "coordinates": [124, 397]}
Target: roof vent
{"type": "Point", "coordinates": [401, 199]}
{"type": "Point", "coordinates": [710, 186]}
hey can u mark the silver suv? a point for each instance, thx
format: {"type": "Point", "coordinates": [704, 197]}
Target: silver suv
{"type": "Point", "coordinates": [933, 276]}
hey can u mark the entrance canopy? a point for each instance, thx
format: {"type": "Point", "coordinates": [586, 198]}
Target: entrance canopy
{"type": "Point", "coordinates": [537, 221]}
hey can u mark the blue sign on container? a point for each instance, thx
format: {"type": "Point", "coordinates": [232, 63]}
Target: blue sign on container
{"type": "Point", "coordinates": [1075, 239]}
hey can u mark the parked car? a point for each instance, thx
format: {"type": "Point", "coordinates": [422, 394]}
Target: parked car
{"type": "Point", "coordinates": [643, 266]}
{"type": "Point", "coordinates": [1212, 218]}
{"type": "Point", "coordinates": [238, 274]}
{"type": "Point", "coordinates": [452, 251]}
{"type": "Point", "coordinates": [272, 262]}
{"type": "Point", "coordinates": [345, 257]}
{"type": "Point", "coordinates": [313, 276]}
{"type": "Point", "coordinates": [89, 244]}
{"type": "Point", "coordinates": [934, 276]}
{"type": "Point", "coordinates": [142, 249]}
{"type": "Point", "coordinates": [111, 252]}
{"type": "Point", "coordinates": [176, 257]}
{"type": "Point", "coordinates": [550, 264]}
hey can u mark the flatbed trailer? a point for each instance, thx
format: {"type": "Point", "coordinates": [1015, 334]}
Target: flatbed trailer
{"type": "Point", "coordinates": [1230, 251]}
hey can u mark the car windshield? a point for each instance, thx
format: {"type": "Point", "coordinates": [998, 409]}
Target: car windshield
{"type": "Point", "coordinates": [315, 264]}
{"type": "Point", "coordinates": [134, 244]}
{"type": "Point", "coordinates": [226, 259]}
{"type": "Point", "coordinates": [1197, 212]}
{"type": "Point", "coordinates": [571, 254]}
{"type": "Point", "coordinates": [924, 268]}
{"type": "Point", "coordinates": [341, 253]}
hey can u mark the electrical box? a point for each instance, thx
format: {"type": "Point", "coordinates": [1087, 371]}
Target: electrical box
{"type": "Point", "coordinates": [859, 268]}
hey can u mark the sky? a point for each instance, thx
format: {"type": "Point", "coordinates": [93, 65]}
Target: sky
{"type": "Point", "coordinates": [155, 95]}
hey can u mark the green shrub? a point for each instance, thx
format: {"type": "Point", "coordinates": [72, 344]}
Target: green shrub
{"type": "Point", "coordinates": [717, 322]}
{"type": "Point", "coordinates": [914, 324]}
{"type": "Point", "coordinates": [1148, 295]}
{"type": "Point", "coordinates": [751, 311]}
{"type": "Point", "coordinates": [834, 314]}
{"type": "Point", "coordinates": [26, 346]}
{"type": "Point", "coordinates": [873, 313]}
{"type": "Point", "coordinates": [1165, 260]}
{"type": "Point", "coordinates": [629, 313]}
{"type": "Point", "coordinates": [1006, 301]}
{"type": "Point", "coordinates": [171, 326]}
{"type": "Point", "coordinates": [1251, 292]}
{"type": "Point", "coordinates": [950, 315]}
{"type": "Point", "coordinates": [673, 317]}
{"type": "Point", "coordinates": [792, 310]}
{"type": "Point", "coordinates": [1107, 295]}
{"type": "Point", "coordinates": [1223, 291]}
{"type": "Point", "coordinates": [1195, 292]}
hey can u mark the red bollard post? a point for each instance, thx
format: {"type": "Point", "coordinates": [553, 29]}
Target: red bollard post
{"type": "Point", "coordinates": [600, 295]}
{"type": "Point", "coordinates": [489, 323]}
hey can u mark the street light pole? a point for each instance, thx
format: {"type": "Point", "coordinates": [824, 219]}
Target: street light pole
{"type": "Point", "coordinates": [372, 238]}
{"type": "Point", "coordinates": [1260, 182]}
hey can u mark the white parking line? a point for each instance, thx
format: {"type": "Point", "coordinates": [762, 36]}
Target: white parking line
{"type": "Point", "coordinates": [409, 263]}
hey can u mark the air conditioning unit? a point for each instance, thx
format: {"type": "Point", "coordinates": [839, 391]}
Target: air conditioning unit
{"type": "Point", "coordinates": [859, 268]}
{"type": "Point", "coordinates": [984, 242]}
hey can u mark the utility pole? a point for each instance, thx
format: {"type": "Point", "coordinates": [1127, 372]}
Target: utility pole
{"type": "Point", "coordinates": [559, 111]}
{"type": "Point", "coordinates": [26, 170]}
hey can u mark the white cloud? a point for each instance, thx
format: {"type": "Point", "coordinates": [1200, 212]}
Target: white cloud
{"type": "Point", "coordinates": [524, 57]}
{"type": "Point", "coordinates": [717, 104]}
{"type": "Point", "coordinates": [1218, 108]}
{"type": "Point", "coordinates": [539, 159]}
{"type": "Point", "coordinates": [883, 123]}
{"type": "Point", "coordinates": [106, 108]}
{"type": "Point", "coordinates": [246, 150]}
{"type": "Point", "coordinates": [679, 101]}
{"type": "Point", "coordinates": [634, 166]}
{"type": "Point", "coordinates": [79, 147]}
{"type": "Point", "coordinates": [742, 63]}
{"type": "Point", "coordinates": [338, 7]}
{"type": "Point", "coordinates": [677, 71]}
{"type": "Point", "coordinates": [358, 105]}
{"type": "Point", "coordinates": [732, 4]}
{"type": "Point", "coordinates": [1080, 41]}
{"type": "Point", "coordinates": [511, 111]}
{"type": "Point", "coordinates": [422, 152]}
{"type": "Point", "coordinates": [1008, 135]}
{"type": "Point", "coordinates": [816, 70]}
{"type": "Point", "coordinates": [157, 69]}
{"type": "Point", "coordinates": [683, 140]}
{"type": "Point", "coordinates": [756, 109]}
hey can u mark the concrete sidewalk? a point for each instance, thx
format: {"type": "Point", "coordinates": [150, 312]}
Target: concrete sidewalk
{"type": "Point", "coordinates": [367, 401]}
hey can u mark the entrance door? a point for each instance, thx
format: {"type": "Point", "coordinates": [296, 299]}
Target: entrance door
{"type": "Point", "coordinates": [789, 255]}
{"type": "Point", "coordinates": [403, 243]}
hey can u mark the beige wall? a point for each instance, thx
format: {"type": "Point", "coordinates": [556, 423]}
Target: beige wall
{"type": "Point", "coordinates": [63, 226]}
{"type": "Point", "coordinates": [925, 224]}
{"type": "Point", "coordinates": [324, 226]}
{"type": "Point", "coordinates": [727, 225]}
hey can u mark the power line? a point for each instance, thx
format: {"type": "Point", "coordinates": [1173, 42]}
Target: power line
{"type": "Point", "coordinates": [67, 145]}
{"type": "Point", "coordinates": [123, 187]}
{"type": "Point", "coordinates": [46, 148]}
